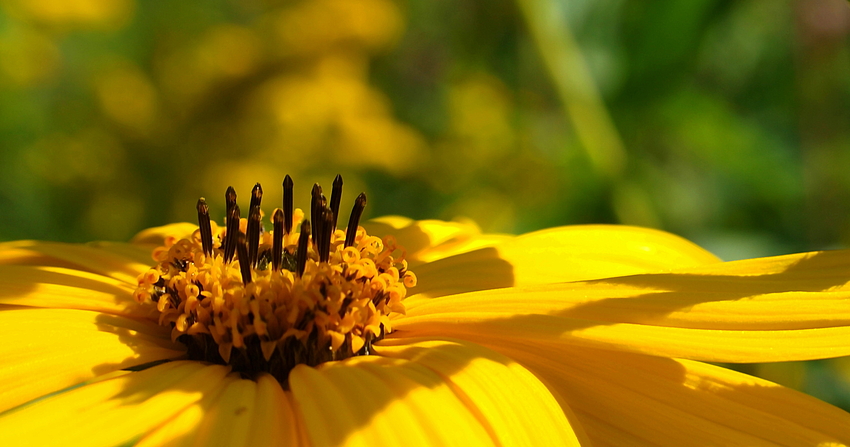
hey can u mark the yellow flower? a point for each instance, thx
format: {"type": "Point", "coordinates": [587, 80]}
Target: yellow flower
{"type": "Point", "coordinates": [584, 335]}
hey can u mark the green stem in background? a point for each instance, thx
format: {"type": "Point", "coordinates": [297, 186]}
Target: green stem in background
{"type": "Point", "coordinates": [575, 86]}
{"type": "Point", "coordinates": [586, 110]}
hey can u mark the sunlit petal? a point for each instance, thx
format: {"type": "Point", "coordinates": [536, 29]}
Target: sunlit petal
{"type": "Point", "coordinates": [561, 254]}
{"type": "Point", "coordinates": [20, 253]}
{"type": "Point", "coordinates": [629, 399]}
{"type": "Point", "coordinates": [45, 350]}
{"type": "Point", "coordinates": [57, 287]}
{"type": "Point", "coordinates": [133, 252]}
{"type": "Point", "coordinates": [516, 407]}
{"type": "Point", "coordinates": [274, 422]}
{"type": "Point", "coordinates": [156, 235]}
{"type": "Point", "coordinates": [113, 263]}
{"type": "Point", "coordinates": [113, 412]}
{"type": "Point", "coordinates": [379, 401]}
{"type": "Point", "coordinates": [429, 240]}
{"type": "Point", "coordinates": [773, 309]}
{"type": "Point", "coordinates": [699, 344]}
{"type": "Point", "coordinates": [241, 413]}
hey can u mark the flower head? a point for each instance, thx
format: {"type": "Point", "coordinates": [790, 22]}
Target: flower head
{"type": "Point", "coordinates": [587, 335]}
{"type": "Point", "coordinates": [288, 298]}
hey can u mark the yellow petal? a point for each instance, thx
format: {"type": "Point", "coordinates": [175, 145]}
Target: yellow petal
{"type": "Point", "coordinates": [156, 236]}
{"type": "Point", "coordinates": [274, 422]}
{"type": "Point", "coordinates": [45, 350]}
{"type": "Point", "coordinates": [368, 401]}
{"type": "Point", "coordinates": [19, 253]}
{"type": "Point", "coordinates": [136, 253]}
{"type": "Point", "coordinates": [115, 411]}
{"type": "Point", "coordinates": [743, 303]}
{"type": "Point", "coordinates": [516, 407]}
{"type": "Point", "coordinates": [57, 287]}
{"type": "Point", "coordinates": [817, 265]}
{"type": "Point", "coordinates": [108, 262]}
{"type": "Point", "coordinates": [561, 254]}
{"type": "Point", "coordinates": [428, 240]}
{"type": "Point", "coordinates": [241, 413]}
{"type": "Point", "coordinates": [228, 420]}
{"type": "Point", "coordinates": [698, 344]}
{"type": "Point", "coordinates": [457, 247]}
{"type": "Point", "coordinates": [629, 399]}
{"type": "Point", "coordinates": [182, 428]}
{"type": "Point", "coordinates": [740, 312]}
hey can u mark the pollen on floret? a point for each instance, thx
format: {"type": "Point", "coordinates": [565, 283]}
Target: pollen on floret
{"type": "Point", "coordinates": [265, 301]}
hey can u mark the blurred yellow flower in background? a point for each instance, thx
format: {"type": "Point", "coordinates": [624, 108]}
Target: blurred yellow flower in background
{"type": "Point", "coordinates": [289, 88]}
{"type": "Point", "coordinates": [73, 13]}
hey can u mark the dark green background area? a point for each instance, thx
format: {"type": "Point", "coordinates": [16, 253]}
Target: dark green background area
{"type": "Point", "coordinates": [725, 122]}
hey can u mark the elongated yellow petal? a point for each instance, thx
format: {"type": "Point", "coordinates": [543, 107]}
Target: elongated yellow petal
{"type": "Point", "coordinates": [368, 401]}
{"type": "Point", "coordinates": [241, 413]}
{"type": "Point", "coordinates": [630, 399]}
{"type": "Point", "coordinates": [697, 302]}
{"type": "Point", "coordinates": [251, 413]}
{"type": "Point", "coordinates": [509, 400]}
{"type": "Point", "coordinates": [113, 412]}
{"type": "Point", "coordinates": [136, 253]}
{"type": "Point", "coordinates": [19, 253]}
{"type": "Point", "coordinates": [45, 350]}
{"type": "Point", "coordinates": [57, 287]}
{"type": "Point", "coordinates": [698, 344]}
{"type": "Point", "coordinates": [561, 254]}
{"type": "Point", "coordinates": [825, 266]}
{"type": "Point", "coordinates": [108, 262]}
{"type": "Point", "coordinates": [181, 429]}
{"type": "Point", "coordinates": [774, 309]}
{"type": "Point", "coordinates": [429, 240]}
{"type": "Point", "coordinates": [274, 422]}
{"type": "Point", "coordinates": [228, 420]}
{"type": "Point", "coordinates": [156, 236]}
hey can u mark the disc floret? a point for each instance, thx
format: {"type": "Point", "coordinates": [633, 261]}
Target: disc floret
{"type": "Point", "coordinates": [267, 301]}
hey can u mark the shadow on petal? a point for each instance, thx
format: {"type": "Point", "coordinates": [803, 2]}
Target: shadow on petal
{"type": "Point", "coordinates": [634, 399]}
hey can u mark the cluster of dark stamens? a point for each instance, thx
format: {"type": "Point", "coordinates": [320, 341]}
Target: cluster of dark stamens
{"type": "Point", "coordinates": [265, 323]}
{"type": "Point", "coordinates": [246, 246]}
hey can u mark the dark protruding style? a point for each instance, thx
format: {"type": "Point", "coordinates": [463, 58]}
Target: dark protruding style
{"type": "Point", "coordinates": [256, 196]}
{"type": "Point", "coordinates": [244, 264]}
{"type": "Point", "coordinates": [324, 217]}
{"type": "Point", "coordinates": [354, 220]}
{"type": "Point", "coordinates": [253, 234]}
{"type": "Point", "coordinates": [230, 238]}
{"type": "Point", "coordinates": [204, 226]}
{"type": "Point", "coordinates": [277, 239]}
{"type": "Point", "coordinates": [229, 199]}
{"type": "Point", "coordinates": [303, 243]}
{"type": "Point", "coordinates": [336, 197]}
{"type": "Point", "coordinates": [325, 238]}
{"type": "Point", "coordinates": [319, 225]}
{"type": "Point", "coordinates": [287, 204]}
{"type": "Point", "coordinates": [315, 209]}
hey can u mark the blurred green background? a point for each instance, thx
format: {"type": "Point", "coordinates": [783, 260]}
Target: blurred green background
{"type": "Point", "coordinates": [727, 122]}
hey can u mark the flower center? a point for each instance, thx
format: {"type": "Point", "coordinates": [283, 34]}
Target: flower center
{"type": "Point", "coordinates": [267, 301]}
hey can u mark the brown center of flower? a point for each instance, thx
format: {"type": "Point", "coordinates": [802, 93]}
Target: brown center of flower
{"type": "Point", "coordinates": [267, 301]}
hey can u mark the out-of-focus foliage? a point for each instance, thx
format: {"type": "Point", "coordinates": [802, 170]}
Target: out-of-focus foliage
{"type": "Point", "coordinates": [725, 121]}
{"type": "Point", "coordinates": [115, 115]}
{"type": "Point", "coordinates": [722, 121]}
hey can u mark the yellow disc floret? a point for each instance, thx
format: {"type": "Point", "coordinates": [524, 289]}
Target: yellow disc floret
{"type": "Point", "coordinates": [283, 299]}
